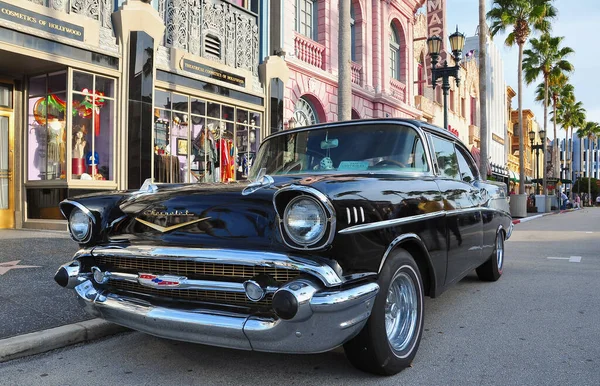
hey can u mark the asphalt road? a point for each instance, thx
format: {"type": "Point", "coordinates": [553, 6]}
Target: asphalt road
{"type": "Point", "coordinates": [538, 325]}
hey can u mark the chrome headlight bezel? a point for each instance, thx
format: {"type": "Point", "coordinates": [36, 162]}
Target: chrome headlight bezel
{"type": "Point", "coordinates": [70, 209]}
{"type": "Point", "coordinates": [291, 233]}
{"type": "Point", "coordinates": [79, 218]}
{"type": "Point", "coordinates": [289, 194]}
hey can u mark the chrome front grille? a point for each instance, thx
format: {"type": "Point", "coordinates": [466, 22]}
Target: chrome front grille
{"type": "Point", "coordinates": [231, 298]}
{"type": "Point", "coordinates": [193, 269]}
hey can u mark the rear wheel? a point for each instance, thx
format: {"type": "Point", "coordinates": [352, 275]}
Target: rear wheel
{"type": "Point", "coordinates": [491, 270]}
{"type": "Point", "coordinates": [391, 337]}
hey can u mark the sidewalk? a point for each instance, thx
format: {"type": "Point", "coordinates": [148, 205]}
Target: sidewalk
{"type": "Point", "coordinates": [533, 216]}
{"type": "Point", "coordinates": [30, 300]}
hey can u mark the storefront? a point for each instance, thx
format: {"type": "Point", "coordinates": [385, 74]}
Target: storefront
{"type": "Point", "coordinates": [104, 100]}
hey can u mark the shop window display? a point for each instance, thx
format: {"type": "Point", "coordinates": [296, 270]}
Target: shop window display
{"type": "Point", "coordinates": [201, 141]}
{"type": "Point", "coordinates": [46, 120]}
{"type": "Point", "coordinates": [92, 127]}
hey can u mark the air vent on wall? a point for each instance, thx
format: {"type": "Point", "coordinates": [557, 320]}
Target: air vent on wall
{"type": "Point", "coordinates": [212, 46]}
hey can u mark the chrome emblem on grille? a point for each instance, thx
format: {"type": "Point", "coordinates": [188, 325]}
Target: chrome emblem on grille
{"type": "Point", "coordinates": [160, 281]}
{"type": "Point", "coordinates": [169, 228]}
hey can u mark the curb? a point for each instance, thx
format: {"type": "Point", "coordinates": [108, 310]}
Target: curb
{"type": "Point", "coordinates": [42, 341]}
{"type": "Point", "coordinates": [525, 219]}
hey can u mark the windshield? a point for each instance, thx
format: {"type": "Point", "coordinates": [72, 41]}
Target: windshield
{"type": "Point", "coordinates": [352, 148]}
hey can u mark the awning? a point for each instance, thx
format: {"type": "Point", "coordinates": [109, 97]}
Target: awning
{"type": "Point", "coordinates": [477, 155]}
{"type": "Point", "coordinates": [513, 176]}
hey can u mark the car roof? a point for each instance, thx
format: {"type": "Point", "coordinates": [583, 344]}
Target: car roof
{"type": "Point", "coordinates": [420, 124]}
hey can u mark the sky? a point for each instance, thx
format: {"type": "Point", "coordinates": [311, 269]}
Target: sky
{"type": "Point", "coordinates": [576, 21]}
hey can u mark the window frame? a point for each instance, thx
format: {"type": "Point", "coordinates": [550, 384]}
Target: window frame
{"type": "Point", "coordinates": [394, 49]}
{"type": "Point", "coordinates": [469, 163]}
{"type": "Point", "coordinates": [301, 27]}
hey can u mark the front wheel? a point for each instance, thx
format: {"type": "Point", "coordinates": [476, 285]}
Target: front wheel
{"type": "Point", "coordinates": [491, 270]}
{"type": "Point", "coordinates": [391, 337]}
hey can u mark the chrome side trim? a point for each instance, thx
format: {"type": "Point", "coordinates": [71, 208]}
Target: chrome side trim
{"type": "Point", "coordinates": [394, 243]}
{"type": "Point", "coordinates": [224, 256]}
{"type": "Point", "coordinates": [454, 212]}
{"type": "Point", "coordinates": [362, 214]}
{"type": "Point", "coordinates": [328, 208]}
{"type": "Point", "coordinates": [391, 223]}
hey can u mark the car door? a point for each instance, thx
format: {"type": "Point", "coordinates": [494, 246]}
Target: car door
{"type": "Point", "coordinates": [463, 217]}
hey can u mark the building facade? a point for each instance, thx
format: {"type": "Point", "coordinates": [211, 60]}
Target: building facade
{"type": "Point", "coordinates": [463, 99]}
{"type": "Point", "coordinates": [585, 163]}
{"type": "Point", "coordinates": [304, 34]}
{"type": "Point", "coordinates": [98, 96]}
{"type": "Point", "coordinates": [496, 100]}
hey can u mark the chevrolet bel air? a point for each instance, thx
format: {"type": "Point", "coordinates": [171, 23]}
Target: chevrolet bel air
{"type": "Point", "coordinates": [340, 233]}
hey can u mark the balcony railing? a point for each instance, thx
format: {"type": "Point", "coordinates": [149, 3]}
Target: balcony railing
{"type": "Point", "coordinates": [99, 10]}
{"type": "Point", "coordinates": [473, 134]}
{"type": "Point", "coordinates": [398, 89]}
{"type": "Point", "coordinates": [309, 51]}
{"type": "Point", "coordinates": [356, 74]}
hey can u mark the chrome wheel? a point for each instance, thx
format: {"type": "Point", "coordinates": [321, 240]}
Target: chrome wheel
{"type": "Point", "coordinates": [500, 251]}
{"type": "Point", "coordinates": [401, 311]}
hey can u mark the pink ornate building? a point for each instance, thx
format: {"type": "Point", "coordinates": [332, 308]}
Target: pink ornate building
{"type": "Point", "coordinates": [382, 58]}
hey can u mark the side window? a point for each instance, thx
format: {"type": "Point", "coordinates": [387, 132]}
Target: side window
{"type": "Point", "coordinates": [467, 170]}
{"type": "Point", "coordinates": [419, 159]}
{"type": "Point", "coordinates": [446, 157]}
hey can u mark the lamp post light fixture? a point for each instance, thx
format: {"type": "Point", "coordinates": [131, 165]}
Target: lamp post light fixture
{"type": "Point", "coordinates": [434, 45]}
{"type": "Point", "coordinates": [537, 148]}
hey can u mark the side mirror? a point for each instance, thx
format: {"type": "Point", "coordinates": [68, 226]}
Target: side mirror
{"type": "Point", "coordinates": [329, 144]}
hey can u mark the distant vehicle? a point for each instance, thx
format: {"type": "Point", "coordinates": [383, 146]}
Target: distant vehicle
{"type": "Point", "coordinates": [342, 232]}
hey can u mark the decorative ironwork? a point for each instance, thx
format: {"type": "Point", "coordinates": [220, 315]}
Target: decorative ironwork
{"type": "Point", "coordinates": [87, 8]}
{"type": "Point", "coordinates": [189, 23]}
{"type": "Point", "coordinates": [59, 5]}
{"type": "Point", "coordinates": [304, 113]}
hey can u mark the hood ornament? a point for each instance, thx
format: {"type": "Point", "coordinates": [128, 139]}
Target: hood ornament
{"type": "Point", "coordinates": [262, 180]}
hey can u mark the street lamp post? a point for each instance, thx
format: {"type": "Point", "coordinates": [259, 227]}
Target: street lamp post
{"type": "Point", "coordinates": [434, 45]}
{"type": "Point", "coordinates": [537, 149]}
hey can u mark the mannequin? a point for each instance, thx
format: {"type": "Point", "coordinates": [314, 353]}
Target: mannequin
{"type": "Point", "coordinates": [79, 143]}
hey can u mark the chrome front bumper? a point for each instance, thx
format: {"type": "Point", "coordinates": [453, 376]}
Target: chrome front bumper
{"type": "Point", "coordinates": [325, 320]}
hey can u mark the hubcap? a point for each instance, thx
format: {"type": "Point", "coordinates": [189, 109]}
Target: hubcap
{"type": "Point", "coordinates": [500, 251]}
{"type": "Point", "coordinates": [401, 310]}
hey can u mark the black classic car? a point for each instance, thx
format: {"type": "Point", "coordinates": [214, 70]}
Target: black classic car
{"type": "Point", "coordinates": [342, 231]}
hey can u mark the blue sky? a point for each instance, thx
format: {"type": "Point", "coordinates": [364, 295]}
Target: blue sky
{"type": "Point", "coordinates": [576, 21]}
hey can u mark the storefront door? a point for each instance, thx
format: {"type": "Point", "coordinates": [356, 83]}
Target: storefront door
{"type": "Point", "coordinates": [7, 200]}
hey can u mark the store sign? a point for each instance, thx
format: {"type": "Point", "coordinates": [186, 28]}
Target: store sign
{"type": "Point", "coordinates": [214, 73]}
{"type": "Point", "coordinates": [41, 22]}
{"type": "Point", "coordinates": [436, 18]}
{"type": "Point", "coordinates": [453, 130]}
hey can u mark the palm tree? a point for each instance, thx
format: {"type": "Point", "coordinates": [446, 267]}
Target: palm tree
{"type": "Point", "coordinates": [483, 123]}
{"type": "Point", "coordinates": [589, 130]}
{"type": "Point", "coordinates": [571, 115]}
{"type": "Point", "coordinates": [523, 17]}
{"type": "Point", "coordinates": [546, 58]}
{"type": "Point", "coordinates": [557, 82]}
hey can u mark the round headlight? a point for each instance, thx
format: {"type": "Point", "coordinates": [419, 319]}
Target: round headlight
{"type": "Point", "coordinates": [80, 225]}
{"type": "Point", "coordinates": [304, 220]}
